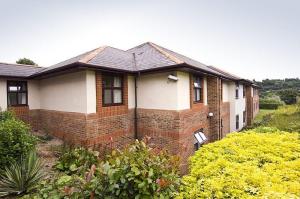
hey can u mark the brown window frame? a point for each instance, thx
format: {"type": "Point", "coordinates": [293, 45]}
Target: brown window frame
{"type": "Point", "coordinates": [16, 83]}
{"type": "Point", "coordinates": [112, 88]}
{"type": "Point", "coordinates": [198, 79]}
{"type": "Point", "coordinates": [244, 91]}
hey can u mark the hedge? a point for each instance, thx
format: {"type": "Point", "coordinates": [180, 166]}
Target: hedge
{"type": "Point", "coordinates": [254, 164]}
{"type": "Point", "coordinates": [269, 105]}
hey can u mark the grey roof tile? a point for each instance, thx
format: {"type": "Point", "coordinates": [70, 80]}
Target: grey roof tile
{"type": "Point", "coordinates": [18, 70]}
{"type": "Point", "coordinates": [147, 56]}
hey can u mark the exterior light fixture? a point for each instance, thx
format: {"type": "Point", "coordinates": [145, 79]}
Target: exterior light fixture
{"type": "Point", "coordinates": [173, 78]}
{"type": "Point", "coordinates": [210, 114]}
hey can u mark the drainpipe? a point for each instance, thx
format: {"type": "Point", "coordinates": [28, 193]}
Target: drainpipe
{"type": "Point", "coordinates": [135, 108]}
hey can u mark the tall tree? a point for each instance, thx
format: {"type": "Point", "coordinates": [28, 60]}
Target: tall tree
{"type": "Point", "coordinates": [26, 61]}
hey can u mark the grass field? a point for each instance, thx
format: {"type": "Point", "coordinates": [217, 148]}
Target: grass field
{"type": "Point", "coordinates": [261, 114]}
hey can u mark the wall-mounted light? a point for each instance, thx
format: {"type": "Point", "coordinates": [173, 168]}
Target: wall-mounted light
{"type": "Point", "coordinates": [210, 114]}
{"type": "Point", "coordinates": [173, 78]}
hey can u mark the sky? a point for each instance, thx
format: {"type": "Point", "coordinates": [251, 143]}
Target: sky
{"type": "Point", "coordinates": [254, 39]}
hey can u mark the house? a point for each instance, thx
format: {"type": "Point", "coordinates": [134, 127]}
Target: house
{"type": "Point", "coordinates": [109, 97]}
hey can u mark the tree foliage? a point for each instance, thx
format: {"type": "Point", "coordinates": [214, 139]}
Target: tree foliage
{"type": "Point", "coordinates": [26, 61]}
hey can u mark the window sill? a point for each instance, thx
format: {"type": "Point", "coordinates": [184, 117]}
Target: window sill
{"type": "Point", "coordinates": [20, 105]}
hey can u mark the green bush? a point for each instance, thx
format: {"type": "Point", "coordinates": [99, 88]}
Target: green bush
{"type": "Point", "coordinates": [6, 115]}
{"type": "Point", "coordinates": [135, 172]}
{"type": "Point", "coordinates": [77, 160]}
{"type": "Point", "coordinates": [15, 141]}
{"type": "Point", "coordinates": [246, 165]}
{"type": "Point", "coordinates": [269, 105]}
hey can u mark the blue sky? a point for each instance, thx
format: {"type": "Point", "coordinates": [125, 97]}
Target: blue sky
{"type": "Point", "coordinates": [253, 39]}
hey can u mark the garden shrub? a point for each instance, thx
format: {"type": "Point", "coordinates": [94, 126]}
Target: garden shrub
{"type": "Point", "coordinates": [135, 172]}
{"type": "Point", "coordinates": [15, 141]}
{"type": "Point", "coordinates": [6, 115]}
{"type": "Point", "coordinates": [77, 160]}
{"type": "Point", "coordinates": [246, 165]}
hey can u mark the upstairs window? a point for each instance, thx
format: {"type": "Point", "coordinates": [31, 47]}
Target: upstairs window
{"type": "Point", "coordinates": [16, 93]}
{"type": "Point", "coordinates": [237, 122]}
{"type": "Point", "coordinates": [112, 89]}
{"type": "Point", "coordinates": [198, 89]}
{"type": "Point", "coordinates": [244, 117]}
{"type": "Point", "coordinates": [221, 91]}
{"type": "Point", "coordinates": [244, 91]}
{"type": "Point", "coordinates": [237, 91]}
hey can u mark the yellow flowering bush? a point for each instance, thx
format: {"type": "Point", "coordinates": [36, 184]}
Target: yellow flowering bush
{"type": "Point", "coordinates": [251, 164]}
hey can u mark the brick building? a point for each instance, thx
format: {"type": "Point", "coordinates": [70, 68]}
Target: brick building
{"type": "Point", "coordinates": [109, 97]}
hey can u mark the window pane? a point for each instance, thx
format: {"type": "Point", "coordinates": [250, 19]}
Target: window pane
{"type": "Point", "coordinates": [13, 88]}
{"type": "Point", "coordinates": [12, 99]}
{"type": "Point", "coordinates": [23, 86]}
{"type": "Point", "coordinates": [117, 82]}
{"type": "Point", "coordinates": [197, 95]}
{"type": "Point", "coordinates": [117, 96]}
{"type": "Point", "coordinates": [22, 98]}
{"type": "Point", "coordinates": [107, 96]}
{"type": "Point", "coordinates": [107, 81]}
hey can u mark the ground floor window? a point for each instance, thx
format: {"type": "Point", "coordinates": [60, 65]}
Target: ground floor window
{"type": "Point", "coordinates": [199, 139]}
{"type": "Point", "coordinates": [16, 93]}
{"type": "Point", "coordinates": [244, 117]}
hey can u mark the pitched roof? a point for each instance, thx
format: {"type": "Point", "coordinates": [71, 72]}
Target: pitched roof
{"type": "Point", "coordinates": [145, 57]}
{"type": "Point", "coordinates": [18, 70]}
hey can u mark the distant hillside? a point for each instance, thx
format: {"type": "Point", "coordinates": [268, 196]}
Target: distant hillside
{"type": "Point", "coordinates": [288, 90]}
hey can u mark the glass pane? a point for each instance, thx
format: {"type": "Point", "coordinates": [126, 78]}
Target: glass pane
{"type": "Point", "coordinates": [107, 96]}
{"type": "Point", "coordinates": [107, 81]}
{"type": "Point", "coordinates": [23, 86]}
{"type": "Point", "coordinates": [197, 95]}
{"type": "Point", "coordinates": [117, 96]}
{"type": "Point", "coordinates": [22, 98]}
{"type": "Point", "coordinates": [197, 85]}
{"type": "Point", "coordinates": [12, 88]}
{"type": "Point", "coordinates": [117, 82]}
{"type": "Point", "coordinates": [12, 99]}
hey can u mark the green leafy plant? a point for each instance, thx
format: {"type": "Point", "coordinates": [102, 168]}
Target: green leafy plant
{"type": "Point", "coordinates": [21, 176]}
{"type": "Point", "coordinates": [6, 115]}
{"type": "Point", "coordinates": [252, 164]}
{"type": "Point", "coordinates": [15, 141]}
{"type": "Point", "coordinates": [77, 160]}
{"type": "Point", "coordinates": [137, 172]}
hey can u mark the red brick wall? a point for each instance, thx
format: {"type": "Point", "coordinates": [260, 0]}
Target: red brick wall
{"type": "Point", "coordinates": [225, 117]}
{"type": "Point", "coordinates": [249, 106]}
{"type": "Point", "coordinates": [214, 104]}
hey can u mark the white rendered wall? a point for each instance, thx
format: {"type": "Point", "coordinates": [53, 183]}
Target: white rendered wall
{"type": "Point", "coordinates": [237, 106]}
{"type": "Point", "coordinates": [205, 90]}
{"type": "Point", "coordinates": [156, 91]}
{"type": "Point", "coordinates": [91, 91]}
{"type": "Point", "coordinates": [183, 91]}
{"type": "Point", "coordinates": [69, 93]}
{"type": "Point", "coordinates": [131, 92]}
{"type": "Point", "coordinates": [225, 85]}
{"type": "Point", "coordinates": [3, 94]}
{"type": "Point", "coordinates": [33, 94]}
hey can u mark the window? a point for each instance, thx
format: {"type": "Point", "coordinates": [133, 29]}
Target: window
{"type": "Point", "coordinates": [200, 138]}
{"type": "Point", "coordinates": [112, 90]}
{"type": "Point", "coordinates": [198, 89]}
{"type": "Point", "coordinates": [16, 93]}
{"type": "Point", "coordinates": [237, 122]}
{"type": "Point", "coordinates": [237, 91]}
{"type": "Point", "coordinates": [244, 117]}
{"type": "Point", "coordinates": [244, 91]}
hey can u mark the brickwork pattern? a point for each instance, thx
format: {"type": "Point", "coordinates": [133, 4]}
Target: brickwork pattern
{"type": "Point", "coordinates": [225, 118]}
